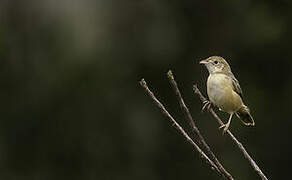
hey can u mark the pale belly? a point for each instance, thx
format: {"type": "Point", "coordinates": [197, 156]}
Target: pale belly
{"type": "Point", "coordinates": [221, 94]}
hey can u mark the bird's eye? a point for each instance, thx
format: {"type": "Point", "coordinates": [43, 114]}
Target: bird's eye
{"type": "Point", "coordinates": [215, 62]}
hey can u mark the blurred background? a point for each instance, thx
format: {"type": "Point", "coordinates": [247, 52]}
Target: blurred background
{"type": "Point", "coordinates": [72, 108]}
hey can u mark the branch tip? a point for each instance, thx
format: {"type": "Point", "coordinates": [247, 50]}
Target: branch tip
{"type": "Point", "coordinates": [170, 75]}
{"type": "Point", "coordinates": [195, 88]}
{"type": "Point", "coordinates": [143, 83]}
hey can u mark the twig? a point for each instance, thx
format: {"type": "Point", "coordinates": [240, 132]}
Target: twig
{"type": "Point", "coordinates": [239, 145]}
{"type": "Point", "coordinates": [192, 123]}
{"type": "Point", "coordinates": [177, 126]}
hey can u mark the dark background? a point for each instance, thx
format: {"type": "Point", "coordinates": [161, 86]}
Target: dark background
{"type": "Point", "coordinates": [71, 106]}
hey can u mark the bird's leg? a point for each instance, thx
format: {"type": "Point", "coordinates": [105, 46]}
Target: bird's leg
{"type": "Point", "coordinates": [226, 126]}
{"type": "Point", "coordinates": [207, 104]}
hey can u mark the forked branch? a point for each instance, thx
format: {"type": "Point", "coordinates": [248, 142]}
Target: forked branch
{"type": "Point", "coordinates": [209, 156]}
{"type": "Point", "coordinates": [178, 127]}
{"type": "Point", "coordinates": [192, 123]}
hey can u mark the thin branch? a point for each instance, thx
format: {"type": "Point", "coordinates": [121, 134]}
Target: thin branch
{"type": "Point", "coordinates": [239, 145]}
{"type": "Point", "coordinates": [178, 127]}
{"type": "Point", "coordinates": [192, 123]}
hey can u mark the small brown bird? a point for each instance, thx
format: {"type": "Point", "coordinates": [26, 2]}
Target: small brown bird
{"type": "Point", "coordinates": [224, 91]}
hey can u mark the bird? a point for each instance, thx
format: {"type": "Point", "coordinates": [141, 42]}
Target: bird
{"type": "Point", "coordinates": [224, 91]}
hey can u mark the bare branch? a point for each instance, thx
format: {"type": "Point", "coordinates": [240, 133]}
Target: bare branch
{"type": "Point", "coordinates": [178, 127]}
{"type": "Point", "coordinates": [239, 145]}
{"type": "Point", "coordinates": [192, 123]}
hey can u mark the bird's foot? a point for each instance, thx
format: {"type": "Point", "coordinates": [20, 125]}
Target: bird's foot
{"type": "Point", "coordinates": [225, 128]}
{"type": "Point", "coordinates": [207, 104]}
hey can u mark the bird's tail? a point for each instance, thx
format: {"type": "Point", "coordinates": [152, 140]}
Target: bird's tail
{"type": "Point", "coordinates": [244, 115]}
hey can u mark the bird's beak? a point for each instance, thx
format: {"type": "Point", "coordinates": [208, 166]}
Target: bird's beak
{"type": "Point", "coordinates": [204, 61]}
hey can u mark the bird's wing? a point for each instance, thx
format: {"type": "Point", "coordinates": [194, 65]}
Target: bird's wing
{"type": "Point", "coordinates": [235, 85]}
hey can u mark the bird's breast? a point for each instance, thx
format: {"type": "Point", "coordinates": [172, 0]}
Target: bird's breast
{"type": "Point", "coordinates": [220, 92]}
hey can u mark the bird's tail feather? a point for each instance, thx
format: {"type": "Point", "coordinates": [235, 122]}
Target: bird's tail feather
{"type": "Point", "coordinates": [244, 115]}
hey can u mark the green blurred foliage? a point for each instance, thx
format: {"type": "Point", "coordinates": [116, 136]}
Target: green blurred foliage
{"type": "Point", "coordinates": [72, 108]}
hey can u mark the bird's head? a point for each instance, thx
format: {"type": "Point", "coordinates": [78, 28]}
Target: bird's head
{"type": "Point", "coordinates": [216, 64]}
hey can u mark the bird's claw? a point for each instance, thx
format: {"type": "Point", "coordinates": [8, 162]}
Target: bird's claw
{"type": "Point", "coordinates": [207, 105]}
{"type": "Point", "coordinates": [225, 128]}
